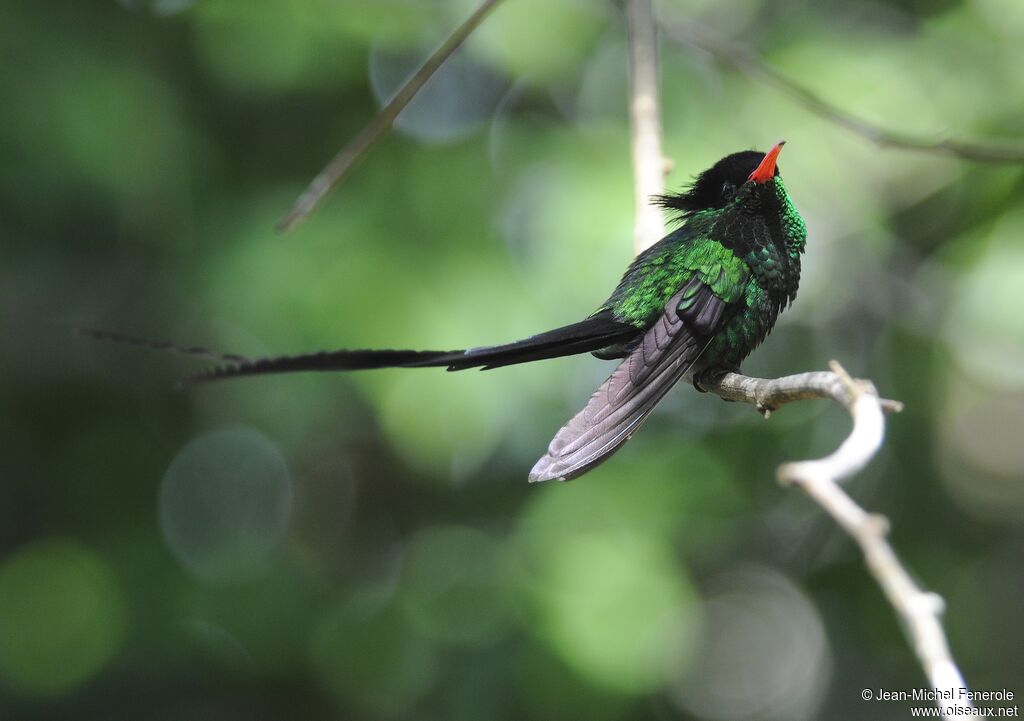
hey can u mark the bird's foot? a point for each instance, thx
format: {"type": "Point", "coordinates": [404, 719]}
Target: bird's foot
{"type": "Point", "coordinates": [711, 375]}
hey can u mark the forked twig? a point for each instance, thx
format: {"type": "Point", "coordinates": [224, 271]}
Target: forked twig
{"type": "Point", "coordinates": [918, 610]}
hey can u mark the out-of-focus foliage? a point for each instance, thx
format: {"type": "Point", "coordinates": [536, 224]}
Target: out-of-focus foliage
{"type": "Point", "coordinates": [366, 546]}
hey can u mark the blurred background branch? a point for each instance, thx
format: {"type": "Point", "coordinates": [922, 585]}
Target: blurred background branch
{"type": "Point", "coordinates": [645, 123]}
{"type": "Point", "coordinates": [918, 610]}
{"type": "Point", "coordinates": [752, 66]}
{"type": "Point", "coordinates": [351, 154]}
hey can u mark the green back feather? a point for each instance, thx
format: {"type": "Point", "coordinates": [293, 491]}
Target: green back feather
{"type": "Point", "coordinates": [659, 273]}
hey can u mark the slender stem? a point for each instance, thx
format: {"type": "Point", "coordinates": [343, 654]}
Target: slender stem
{"type": "Point", "coordinates": [351, 154]}
{"type": "Point", "coordinates": [754, 67]}
{"type": "Point", "coordinates": [918, 610]}
{"type": "Point", "coordinates": [645, 123]}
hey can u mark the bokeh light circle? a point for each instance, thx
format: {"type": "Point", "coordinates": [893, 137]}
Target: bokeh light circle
{"type": "Point", "coordinates": [224, 504]}
{"type": "Point", "coordinates": [451, 588]}
{"type": "Point", "coordinates": [61, 617]}
{"type": "Point", "coordinates": [369, 659]}
{"type": "Point", "coordinates": [453, 104]}
{"type": "Point", "coordinates": [982, 328]}
{"type": "Point", "coordinates": [763, 651]}
{"type": "Point", "coordinates": [978, 450]}
{"type": "Point", "coordinates": [616, 610]}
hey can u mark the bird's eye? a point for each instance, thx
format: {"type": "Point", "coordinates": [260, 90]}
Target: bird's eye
{"type": "Point", "coordinates": [728, 190]}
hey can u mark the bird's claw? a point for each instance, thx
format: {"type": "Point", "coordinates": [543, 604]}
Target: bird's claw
{"type": "Point", "coordinates": [711, 376]}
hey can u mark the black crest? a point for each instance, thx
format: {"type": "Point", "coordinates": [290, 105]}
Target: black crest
{"type": "Point", "coordinates": [715, 186]}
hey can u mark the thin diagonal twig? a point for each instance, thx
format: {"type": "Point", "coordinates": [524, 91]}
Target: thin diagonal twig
{"type": "Point", "coordinates": [754, 67]}
{"type": "Point", "coordinates": [352, 153]}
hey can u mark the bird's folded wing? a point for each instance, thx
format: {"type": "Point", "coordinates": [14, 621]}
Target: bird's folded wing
{"type": "Point", "coordinates": [668, 350]}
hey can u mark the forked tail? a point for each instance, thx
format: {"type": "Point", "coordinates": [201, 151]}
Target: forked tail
{"type": "Point", "coordinates": [594, 333]}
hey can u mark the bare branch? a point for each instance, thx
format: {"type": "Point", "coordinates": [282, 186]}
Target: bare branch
{"type": "Point", "coordinates": [645, 123]}
{"type": "Point", "coordinates": [753, 66]}
{"type": "Point", "coordinates": [918, 610]}
{"type": "Point", "coordinates": [352, 153]}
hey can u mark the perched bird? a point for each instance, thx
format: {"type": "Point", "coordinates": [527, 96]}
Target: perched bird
{"type": "Point", "coordinates": [697, 302]}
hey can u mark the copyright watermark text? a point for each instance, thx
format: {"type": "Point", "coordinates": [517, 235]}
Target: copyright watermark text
{"type": "Point", "coordinates": [954, 702]}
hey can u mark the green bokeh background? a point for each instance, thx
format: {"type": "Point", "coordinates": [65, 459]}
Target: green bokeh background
{"type": "Point", "coordinates": [366, 546]}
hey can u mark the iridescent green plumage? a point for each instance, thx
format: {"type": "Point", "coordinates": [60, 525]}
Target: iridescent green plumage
{"type": "Point", "coordinates": [749, 262]}
{"type": "Point", "coordinates": [697, 302]}
{"type": "Point", "coordinates": [660, 272]}
{"type": "Point", "coordinates": [702, 298]}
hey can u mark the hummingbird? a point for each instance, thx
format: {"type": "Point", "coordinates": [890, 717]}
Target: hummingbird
{"type": "Point", "coordinates": [696, 303]}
